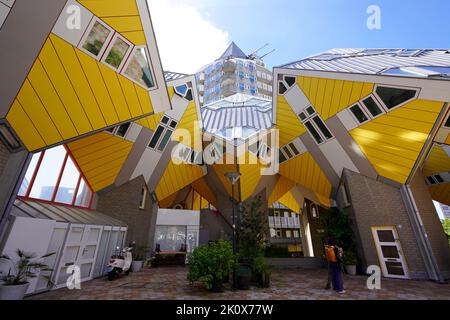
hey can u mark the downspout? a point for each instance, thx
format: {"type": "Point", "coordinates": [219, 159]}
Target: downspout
{"type": "Point", "coordinates": [420, 233]}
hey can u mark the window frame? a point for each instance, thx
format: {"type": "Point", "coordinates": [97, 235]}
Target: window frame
{"type": "Point", "coordinates": [86, 35]}
{"type": "Point", "coordinates": [81, 177]}
{"type": "Point", "coordinates": [143, 199]}
{"type": "Point", "coordinates": [363, 109]}
{"type": "Point", "coordinates": [166, 127]}
{"type": "Point", "coordinates": [310, 119]}
{"type": "Point", "coordinates": [377, 102]}
{"type": "Point", "coordinates": [380, 101]}
{"type": "Point", "coordinates": [150, 64]}
{"type": "Point", "coordinates": [110, 46]}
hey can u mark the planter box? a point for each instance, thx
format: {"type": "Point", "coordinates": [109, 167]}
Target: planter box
{"type": "Point", "coordinates": [136, 266]}
{"type": "Point", "coordinates": [13, 292]}
{"type": "Point", "coordinates": [351, 269]}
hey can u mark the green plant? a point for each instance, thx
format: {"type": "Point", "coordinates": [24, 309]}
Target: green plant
{"type": "Point", "coordinates": [252, 230]}
{"type": "Point", "coordinates": [337, 224]}
{"type": "Point", "coordinates": [26, 267]}
{"type": "Point", "coordinates": [277, 252]}
{"type": "Point", "coordinates": [446, 226]}
{"type": "Point", "coordinates": [139, 253]}
{"type": "Point", "coordinates": [262, 271]}
{"type": "Point", "coordinates": [211, 262]}
{"type": "Point", "coordinates": [349, 258]}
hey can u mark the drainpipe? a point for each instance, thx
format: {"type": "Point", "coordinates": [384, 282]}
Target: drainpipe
{"type": "Point", "coordinates": [420, 233]}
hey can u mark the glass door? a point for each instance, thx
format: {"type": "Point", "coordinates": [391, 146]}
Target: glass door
{"type": "Point", "coordinates": [390, 252]}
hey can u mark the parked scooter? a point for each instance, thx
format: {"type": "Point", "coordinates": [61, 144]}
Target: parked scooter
{"type": "Point", "coordinates": [119, 263]}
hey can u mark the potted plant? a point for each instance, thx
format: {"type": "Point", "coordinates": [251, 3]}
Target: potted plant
{"type": "Point", "coordinates": [349, 259]}
{"type": "Point", "coordinates": [16, 284]}
{"type": "Point", "coordinates": [244, 276]}
{"type": "Point", "coordinates": [138, 258]}
{"type": "Point", "coordinates": [211, 264]}
{"type": "Point", "coordinates": [262, 272]}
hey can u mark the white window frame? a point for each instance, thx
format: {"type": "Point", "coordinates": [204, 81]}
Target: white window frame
{"type": "Point", "coordinates": [378, 99]}
{"type": "Point", "coordinates": [309, 118]}
{"type": "Point", "coordinates": [109, 47]}
{"type": "Point", "coordinates": [116, 128]}
{"type": "Point", "coordinates": [364, 110]}
{"type": "Point", "coordinates": [86, 34]}
{"type": "Point", "coordinates": [166, 127]}
{"type": "Point", "coordinates": [377, 102]}
{"type": "Point", "coordinates": [127, 62]}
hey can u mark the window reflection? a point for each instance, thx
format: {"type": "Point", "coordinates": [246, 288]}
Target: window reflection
{"type": "Point", "coordinates": [96, 38]}
{"type": "Point", "coordinates": [139, 68]}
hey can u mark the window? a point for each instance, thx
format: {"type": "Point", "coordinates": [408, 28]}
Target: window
{"type": "Point", "coordinates": [96, 38]}
{"type": "Point", "coordinates": [313, 132]}
{"type": "Point", "coordinates": [315, 125]}
{"type": "Point", "coordinates": [164, 130]}
{"type": "Point", "coordinates": [393, 97]}
{"type": "Point", "coordinates": [143, 197]}
{"type": "Point", "coordinates": [288, 234]}
{"type": "Point", "coordinates": [447, 123]}
{"type": "Point", "coordinates": [289, 80]}
{"type": "Point", "coordinates": [372, 106]}
{"type": "Point", "coordinates": [281, 88]}
{"type": "Point", "coordinates": [294, 149]}
{"type": "Point", "coordinates": [138, 68]}
{"type": "Point", "coordinates": [53, 176]}
{"type": "Point", "coordinates": [288, 153]}
{"type": "Point", "coordinates": [296, 234]}
{"type": "Point", "coordinates": [438, 178]}
{"type": "Point", "coordinates": [281, 157]}
{"type": "Point", "coordinates": [119, 49]}
{"type": "Point", "coordinates": [359, 113]}
{"type": "Point", "coordinates": [122, 129]}
{"type": "Point", "coordinates": [431, 180]}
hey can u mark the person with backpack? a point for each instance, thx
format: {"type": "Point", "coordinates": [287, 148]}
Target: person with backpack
{"type": "Point", "coordinates": [334, 255]}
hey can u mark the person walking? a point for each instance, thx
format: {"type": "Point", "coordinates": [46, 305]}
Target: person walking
{"type": "Point", "coordinates": [334, 255]}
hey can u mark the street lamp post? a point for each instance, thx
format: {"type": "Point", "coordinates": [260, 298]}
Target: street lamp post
{"type": "Point", "coordinates": [233, 177]}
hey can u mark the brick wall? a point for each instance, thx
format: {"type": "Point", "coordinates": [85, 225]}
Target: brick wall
{"type": "Point", "coordinates": [374, 203]}
{"type": "Point", "coordinates": [433, 226]}
{"type": "Point", "coordinates": [123, 203]}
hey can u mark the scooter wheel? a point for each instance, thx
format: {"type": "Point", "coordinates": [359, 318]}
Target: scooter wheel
{"type": "Point", "coordinates": [111, 275]}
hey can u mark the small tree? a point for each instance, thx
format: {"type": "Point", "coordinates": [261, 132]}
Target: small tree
{"type": "Point", "coordinates": [337, 224]}
{"type": "Point", "coordinates": [252, 230]}
{"type": "Point", "coordinates": [446, 226]}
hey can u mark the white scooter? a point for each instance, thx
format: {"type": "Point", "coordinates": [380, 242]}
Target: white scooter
{"type": "Point", "coordinates": [119, 263]}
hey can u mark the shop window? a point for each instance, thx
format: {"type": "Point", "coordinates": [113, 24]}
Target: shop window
{"type": "Point", "coordinates": [359, 113]}
{"type": "Point", "coordinates": [96, 38]}
{"type": "Point", "coordinates": [54, 176]}
{"type": "Point", "coordinates": [393, 97]}
{"type": "Point", "coordinates": [138, 68]}
{"type": "Point", "coordinates": [372, 106]}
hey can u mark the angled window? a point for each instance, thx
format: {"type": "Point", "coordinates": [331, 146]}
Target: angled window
{"type": "Point", "coordinates": [302, 116]}
{"type": "Point", "coordinates": [165, 119]}
{"type": "Point", "coordinates": [287, 152]}
{"type": "Point", "coordinates": [322, 127]}
{"type": "Point", "coordinates": [96, 38]}
{"type": "Point", "coordinates": [289, 80]}
{"type": "Point", "coordinates": [447, 123]}
{"type": "Point", "coordinates": [313, 132]}
{"type": "Point", "coordinates": [293, 148]}
{"type": "Point", "coordinates": [156, 136]}
{"type": "Point", "coordinates": [438, 178]}
{"type": "Point", "coordinates": [143, 197]}
{"type": "Point", "coordinates": [281, 157]}
{"type": "Point", "coordinates": [359, 113]}
{"type": "Point", "coordinates": [372, 106]}
{"type": "Point", "coordinates": [137, 68]}
{"type": "Point", "coordinates": [392, 97]}
{"type": "Point", "coordinates": [281, 88]}
{"type": "Point", "coordinates": [122, 129]}
{"type": "Point", "coordinates": [310, 110]}
{"type": "Point", "coordinates": [431, 180]}
{"type": "Point", "coordinates": [173, 124]}
{"type": "Point", "coordinates": [165, 139]}
{"type": "Point", "coordinates": [53, 176]}
{"type": "Point", "coordinates": [181, 90]}
{"type": "Point", "coordinates": [117, 52]}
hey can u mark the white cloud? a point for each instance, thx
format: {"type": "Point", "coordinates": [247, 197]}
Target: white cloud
{"type": "Point", "coordinates": [186, 40]}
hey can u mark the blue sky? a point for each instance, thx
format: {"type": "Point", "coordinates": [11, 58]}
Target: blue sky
{"type": "Point", "coordinates": [298, 28]}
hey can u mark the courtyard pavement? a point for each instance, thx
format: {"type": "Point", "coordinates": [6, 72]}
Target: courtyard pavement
{"type": "Point", "coordinates": [299, 284]}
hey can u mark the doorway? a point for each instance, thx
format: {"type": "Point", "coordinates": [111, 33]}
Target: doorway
{"type": "Point", "coordinates": [390, 253]}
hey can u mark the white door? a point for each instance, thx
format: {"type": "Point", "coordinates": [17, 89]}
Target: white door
{"type": "Point", "coordinates": [80, 249]}
{"type": "Point", "coordinates": [390, 252]}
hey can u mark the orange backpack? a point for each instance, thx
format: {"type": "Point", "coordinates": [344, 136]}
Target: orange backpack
{"type": "Point", "coordinates": [330, 254]}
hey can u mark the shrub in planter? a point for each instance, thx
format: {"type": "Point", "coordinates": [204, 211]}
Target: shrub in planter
{"type": "Point", "coordinates": [349, 259]}
{"type": "Point", "coordinates": [244, 276]}
{"type": "Point", "coordinates": [211, 264]}
{"type": "Point", "coordinates": [262, 272]}
{"type": "Point", "coordinates": [139, 253]}
{"type": "Point", "coordinates": [15, 285]}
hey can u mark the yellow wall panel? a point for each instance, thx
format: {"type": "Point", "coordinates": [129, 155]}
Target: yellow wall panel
{"type": "Point", "coordinates": [95, 79]}
{"type": "Point", "coordinates": [77, 78]}
{"type": "Point", "coordinates": [189, 121]}
{"type": "Point", "coordinates": [437, 161]}
{"type": "Point", "coordinates": [136, 37]}
{"type": "Point", "coordinates": [176, 177]}
{"type": "Point", "coordinates": [100, 157]}
{"type": "Point", "coordinates": [305, 171]}
{"type": "Point", "coordinates": [124, 23]}
{"type": "Point", "coordinates": [34, 109]}
{"type": "Point", "coordinates": [50, 99]}
{"type": "Point", "coordinates": [203, 189]}
{"type": "Point", "coordinates": [289, 201]}
{"type": "Point", "coordinates": [393, 142]}
{"type": "Point", "coordinates": [59, 77]}
{"type": "Point", "coordinates": [111, 8]}
{"type": "Point", "coordinates": [131, 97]}
{"type": "Point", "coordinates": [282, 186]}
{"type": "Point", "coordinates": [448, 140]}
{"type": "Point", "coordinates": [288, 124]}
{"type": "Point", "coordinates": [441, 193]}
{"type": "Point", "coordinates": [24, 127]}
{"type": "Point", "coordinates": [144, 99]}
